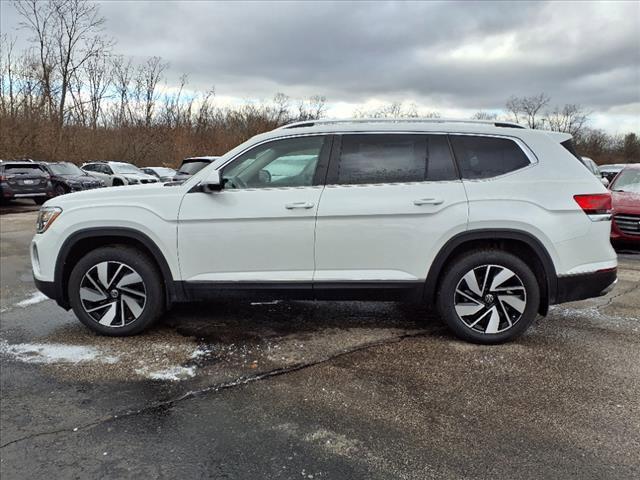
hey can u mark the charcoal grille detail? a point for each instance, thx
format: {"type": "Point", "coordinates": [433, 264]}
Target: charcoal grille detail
{"type": "Point", "coordinates": [629, 224]}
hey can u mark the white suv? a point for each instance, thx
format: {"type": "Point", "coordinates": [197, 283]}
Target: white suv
{"type": "Point", "coordinates": [118, 173]}
{"type": "Point", "coordinates": [490, 222]}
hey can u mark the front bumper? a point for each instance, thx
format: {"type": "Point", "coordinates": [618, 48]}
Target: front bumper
{"type": "Point", "coordinates": [585, 285]}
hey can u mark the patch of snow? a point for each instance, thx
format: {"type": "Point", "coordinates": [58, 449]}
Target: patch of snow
{"type": "Point", "coordinates": [201, 352]}
{"type": "Point", "coordinates": [174, 374]}
{"type": "Point", "coordinates": [36, 297]}
{"type": "Point", "coordinates": [54, 353]}
{"type": "Point", "coordinates": [274, 302]}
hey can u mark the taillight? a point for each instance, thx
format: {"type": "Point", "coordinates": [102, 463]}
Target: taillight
{"type": "Point", "coordinates": [595, 203]}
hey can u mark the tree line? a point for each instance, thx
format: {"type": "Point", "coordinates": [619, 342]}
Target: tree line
{"type": "Point", "coordinates": [71, 97]}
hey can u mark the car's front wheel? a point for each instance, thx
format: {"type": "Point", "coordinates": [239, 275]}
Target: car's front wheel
{"type": "Point", "coordinates": [488, 296]}
{"type": "Point", "coordinates": [116, 291]}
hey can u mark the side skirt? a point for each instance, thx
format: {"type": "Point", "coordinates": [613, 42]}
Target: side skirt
{"type": "Point", "coordinates": [356, 290]}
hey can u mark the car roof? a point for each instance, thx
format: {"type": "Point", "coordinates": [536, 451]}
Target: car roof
{"type": "Point", "coordinates": [410, 125]}
{"type": "Point", "coordinates": [207, 158]}
{"type": "Point", "coordinates": [21, 162]}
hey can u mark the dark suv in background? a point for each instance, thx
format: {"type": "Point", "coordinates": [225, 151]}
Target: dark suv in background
{"type": "Point", "coordinates": [67, 177]}
{"type": "Point", "coordinates": [24, 179]}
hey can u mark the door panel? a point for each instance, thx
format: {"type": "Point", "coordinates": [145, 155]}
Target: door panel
{"type": "Point", "coordinates": [248, 235]}
{"type": "Point", "coordinates": [378, 232]}
{"type": "Point", "coordinates": [260, 227]}
{"type": "Point", "coordinates": [392, 201]}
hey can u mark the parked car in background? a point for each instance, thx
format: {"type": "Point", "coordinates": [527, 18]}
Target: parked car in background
{"type": "Point", "coordinates": [67, 177]}
{"type": "Point", "coordinates": [24, 179]}
{"type": "Point", "coordinates": [118, 173]}
{"type": "Point", "coordinates": [164, 174]}
{"type": "Point", "coordinates": [456, 214]}
{"type": "Point", "coordinates": [610, 171]}
{"type": "Point", "coordinates": [593, 168]}
{"type": "Point", "coordinates": [625, 193]}
{"type": "Point", "coordinates": [191, 166]}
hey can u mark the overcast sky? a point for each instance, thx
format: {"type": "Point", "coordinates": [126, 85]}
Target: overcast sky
{"type": "Point", "coordinates": [455, 58]}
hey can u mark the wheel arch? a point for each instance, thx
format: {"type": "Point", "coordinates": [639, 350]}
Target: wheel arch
{"type": "Point", "coordinates": [526, 245]}
{"type": "Point", "coordinates": [86, 240]}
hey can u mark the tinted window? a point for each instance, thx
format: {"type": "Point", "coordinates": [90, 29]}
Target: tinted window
{"type": "Point", "coordinates": [394, 158]}
{"type": "Point", "coordinates": [485, 157]}
{"type": "Point", "coordinates": [290, 162]}
{"type": "Point", "coordinates": [90, 168]}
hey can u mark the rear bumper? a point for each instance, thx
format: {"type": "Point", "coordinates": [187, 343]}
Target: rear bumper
{"type": "Point", "coordinates": [585, 285]}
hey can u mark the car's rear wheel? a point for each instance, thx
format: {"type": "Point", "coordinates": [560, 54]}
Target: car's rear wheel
{"type": "Point", "coordinates": [116, 291]}
{"type": "Point", "coordinates": [488, 296]}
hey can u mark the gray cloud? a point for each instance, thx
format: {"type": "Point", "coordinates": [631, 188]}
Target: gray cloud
{"type": "Point", "coordinates": [464, 55]}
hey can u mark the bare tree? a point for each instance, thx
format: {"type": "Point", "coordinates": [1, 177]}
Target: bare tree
{"type": "Point", "coordinates": [122, 76]}
{"type": "Point", "coordinates": [528, 109]}
{"type": "Point", "coordinates": [281, 104]}
{"type": "Point", "coordinates": [97, 73]}
{"type": "Point", "coordinates": [38, 19]}
{"type": "Point", "coordinates": [67, 33]}
{"type": "Point", "coordinates": [147, 80]}
{"type": "Point", "coordinates": [570, 118]}
{"type": "Point", "coordinates": [482, 115]}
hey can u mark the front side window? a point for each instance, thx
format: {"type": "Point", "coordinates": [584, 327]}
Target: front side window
{"type": "Point", "coordinates": [290, 162]}
{"type": "Point", "coordinates": [91, 167]}
{"type": "Point", "coordinates": [486, 157]}
{"type": "Point", "coordinates": [393, 158]}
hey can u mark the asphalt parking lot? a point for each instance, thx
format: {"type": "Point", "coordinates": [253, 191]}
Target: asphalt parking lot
{"type": "Point", "coordinates": [293, 390]}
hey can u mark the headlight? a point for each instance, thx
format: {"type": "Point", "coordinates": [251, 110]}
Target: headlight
{"type": "Point", "coordinates": [46, 217]}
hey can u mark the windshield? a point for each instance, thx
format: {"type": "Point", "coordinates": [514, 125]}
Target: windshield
{"type": "Point", "coordinates": [627, 181]}
{"type": "Point", "coordinates": [164, 171]}
{"type": "Point", "coordinates": [23, 169]}
{"type": "Point", "coordinates": [65, 169]}
{"type": "Point", "coordinates": [125, 168]}
{"type": "Point", "coordinates": [189, 168]}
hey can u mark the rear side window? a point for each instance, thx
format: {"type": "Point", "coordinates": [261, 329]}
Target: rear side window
{"type": "Point", "coordinates": [392, 158]}
{"type": "Point", "coordinates": [486, 157]}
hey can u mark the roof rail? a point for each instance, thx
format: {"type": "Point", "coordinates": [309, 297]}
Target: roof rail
{"type": "Point", "coordinates": [334, 121]}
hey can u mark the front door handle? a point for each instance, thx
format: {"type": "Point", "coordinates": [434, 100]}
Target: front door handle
{"type": "Point", "coordinates": [428, 201]}
{"type": "Point", "coordinates": [305, 205]}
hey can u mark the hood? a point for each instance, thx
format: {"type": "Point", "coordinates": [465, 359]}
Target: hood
{"type": "Point", "coordinates": [78, 178]}
{"type": "Point", "coordinates": [626, 202]}
{"type": "Point", "coordinates": [139, 176]}
{"type": "Point", "coordinates": [121, 195]}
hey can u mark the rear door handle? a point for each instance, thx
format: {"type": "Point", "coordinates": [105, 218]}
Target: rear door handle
{"type": "Point", "coordinates": [428, 201]}
{"type": "Point", "coordinates": [305, 205]}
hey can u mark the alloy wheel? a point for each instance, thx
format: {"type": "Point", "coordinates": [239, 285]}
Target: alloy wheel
{"type": "Point", "coordinates": [490, 299]}
{"type": "Point", "coordinates": [113, 294]}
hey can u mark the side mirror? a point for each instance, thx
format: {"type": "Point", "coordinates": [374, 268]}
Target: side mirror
{"type": "Point", "coordinates": [213, 183]}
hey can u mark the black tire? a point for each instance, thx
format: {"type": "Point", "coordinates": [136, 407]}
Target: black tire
{"type": "Point", "coordinates": [148, 310]}
{"type": "Point", "coordinates": [40, 200]}
{"type": "Point", "coordinates": [498, 320]}
{"type": "Point", "coordinates": [117, 182]}
{"type": "Point", "coordinates": [60, 190]}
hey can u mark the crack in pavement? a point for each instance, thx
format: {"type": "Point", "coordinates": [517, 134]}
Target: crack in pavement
{"type": "Point", "coordinates": [612, 298]}
{"type": "Point", "coordinates": [167, 404]}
